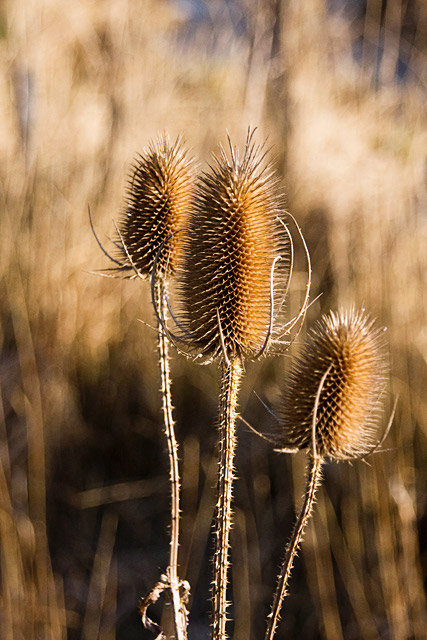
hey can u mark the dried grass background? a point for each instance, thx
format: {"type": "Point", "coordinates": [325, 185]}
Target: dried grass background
{"type": "Point", "coordinates": [83, 474]}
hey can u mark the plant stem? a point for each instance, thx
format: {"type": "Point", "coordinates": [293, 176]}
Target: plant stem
{"type": "Point", "coordinates": [231, 374]}
{"type": "Point", "coordinates": [178, 605]}
{"type": "Point", "coordinates": [313, 482]}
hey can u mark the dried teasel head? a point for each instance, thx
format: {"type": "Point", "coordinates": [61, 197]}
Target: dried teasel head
{"type": "Point", "coordinates": [340, 377]}
{"type": "Point", "coordinates": [238, 259]}
{"type": "Point", "coordinates": [159, 195]}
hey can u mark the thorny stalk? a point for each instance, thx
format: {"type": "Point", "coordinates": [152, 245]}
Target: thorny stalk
{"type": "Point", "coordinates": [313, 482]}
{"type": "Point", "coordinates": [179, 591]}
{"type": "Point", "coordinates": [231, 374]}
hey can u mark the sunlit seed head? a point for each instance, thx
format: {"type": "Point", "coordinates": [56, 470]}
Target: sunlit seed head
{"type": "Point", "coordinates": [350, 401]}
{"type": "Point", "coordinates": [158, 201]}
{"type": "Point", "coordinates": [235, 236]}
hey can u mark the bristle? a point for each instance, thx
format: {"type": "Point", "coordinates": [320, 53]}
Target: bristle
{"type": "Point", "coordinates": [350, 399]}
{"type": "Point", "coordinates": [158, 202]}
{"type": "Point", "coordinates": [234, 240]}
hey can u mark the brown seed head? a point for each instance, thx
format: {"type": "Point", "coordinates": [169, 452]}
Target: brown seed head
{"type": "Point", "coordinates": [349, 343]}
{"type": "Point", "coordinates": [158, 202]}
{"type": "Point", "coordinates": [235, 236]}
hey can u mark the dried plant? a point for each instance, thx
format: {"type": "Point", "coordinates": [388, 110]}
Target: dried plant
{"type": "Point", "coordinates": [348, 345]}
{"type": "Point", "coordinates": [95, 81]}
{"type": "Point", "coordinates": [236, 247]}
{"type": "Point", "coordinates": [233, 283]}
{"type": "Point", "coordinates": [331, 405]}
{"type": "Point", "coordinates": [158, 203]}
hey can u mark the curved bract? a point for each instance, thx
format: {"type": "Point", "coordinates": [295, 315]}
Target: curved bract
{"type": "Point", "coordinates": [159, 195]}
{"type": "Point", "coordinates": [237, 258]}
{"type": "Point", "coordinates": [340, 376]}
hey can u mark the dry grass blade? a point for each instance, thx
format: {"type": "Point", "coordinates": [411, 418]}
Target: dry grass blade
{"type": "Point", "coordinates": [99, 577]}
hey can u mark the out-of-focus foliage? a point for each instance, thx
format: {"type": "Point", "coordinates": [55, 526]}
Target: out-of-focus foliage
{"type": "Point", "coordinates": [83, 473]}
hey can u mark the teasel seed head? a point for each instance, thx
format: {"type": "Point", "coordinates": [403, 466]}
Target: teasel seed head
{"type": "Point", "coordinates": [237, 257]}
{"type": "Point", "coordinates": [158, 199]}
{"type": "Point", "coordinates": [341, 372]}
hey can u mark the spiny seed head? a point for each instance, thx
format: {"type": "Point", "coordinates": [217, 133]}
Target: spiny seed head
{"type": "Point", "coordinates": [235, 236]}
{"type": "Point", "coordinates": [157, 209]}
{"type": "Point", "coordinates": [350, 401]}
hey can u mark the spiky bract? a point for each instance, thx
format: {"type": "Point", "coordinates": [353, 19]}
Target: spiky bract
{"type": "Point", "coordinates": [158, 202]}
{"type": "Point", "coordinates": [235, 237]}
{"type": "Point", "coordinates": [350, 400]}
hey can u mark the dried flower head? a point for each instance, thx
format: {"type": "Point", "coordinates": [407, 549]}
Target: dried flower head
{"type": "Point", "coordinates": [158, 202]}
{"type": "Point", "coordinates": [341, 374]}
{"type": "Point", "coordinates": [238, 258]}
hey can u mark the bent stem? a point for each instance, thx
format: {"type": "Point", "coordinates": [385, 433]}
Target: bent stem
{"type": "Point", "coordinates": [178, 600]}
{"type": "Point", "coordinates": [231, 374]}
{"type": "Point", "coordinates": [313, 482]}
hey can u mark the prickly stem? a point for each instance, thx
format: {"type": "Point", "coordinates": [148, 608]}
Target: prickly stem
{"type": "Point", "coordinates": [179, 609]}
{"type": "Point", "coordinates": [229, 386]}
{"type": "Point", "coordinates": [313, 482]}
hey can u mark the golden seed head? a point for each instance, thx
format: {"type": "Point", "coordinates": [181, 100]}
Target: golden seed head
{"type": "Point", "coordinates": [350, 400]}
{"type": "Point", "coordinates": [235, 235]}
{"type": "Point", "coordinates": [158, 202]}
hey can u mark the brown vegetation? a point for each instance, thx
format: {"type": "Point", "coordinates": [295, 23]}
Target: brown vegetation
{"type": "Point", "coordinates": [83, 475]}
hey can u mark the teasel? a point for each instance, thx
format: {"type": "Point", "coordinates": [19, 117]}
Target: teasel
{"type": "Point", "coordinates": [149, 233]}
{"type": "Point", "coordinates": [331, 406]}
{"type": "Point", "coordinates": [159, 196]}
{"type": "Point", "coordinates": [238, 258]}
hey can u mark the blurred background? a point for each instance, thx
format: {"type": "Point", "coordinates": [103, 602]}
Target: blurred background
{"type": "Point", "coordinates": [339, 89]}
